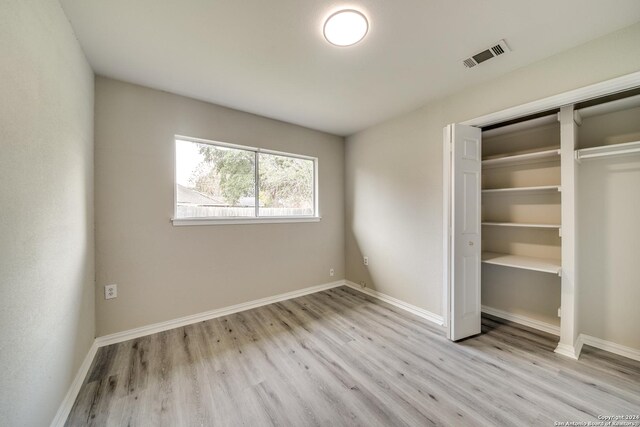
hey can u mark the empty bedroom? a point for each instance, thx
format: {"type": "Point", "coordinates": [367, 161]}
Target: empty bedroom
{"type": "Point", "coordinates": [319, 213]}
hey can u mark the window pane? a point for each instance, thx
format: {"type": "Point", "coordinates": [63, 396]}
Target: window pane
{"type": "Point", "coordinates": [213, 181]}
{"type": "Point", "coordinates": [286, 186]}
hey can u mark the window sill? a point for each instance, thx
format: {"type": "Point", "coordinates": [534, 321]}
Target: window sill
{"type": "Point", "coordinates": [236, 221]}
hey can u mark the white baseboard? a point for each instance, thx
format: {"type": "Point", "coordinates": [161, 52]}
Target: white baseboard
{"type": "Point", "coordinates": [207, 315]}
{"type": "Point", "coordinates": [562, 349]}
{"type": "Point", "coordinates": [74, 388]}
{"type": "Point", "coordinates": [565, 349]}
{"type": "Point", "coordinates": [523, 320]}
{"type": "Point", "coordinates": [569, 351]}
{"type": "Point", "coordinates": [621, 350]}
{"type": "Point", "coordinates": [577, 346]}
{"type": "Point", "coordinates": [435, 318]}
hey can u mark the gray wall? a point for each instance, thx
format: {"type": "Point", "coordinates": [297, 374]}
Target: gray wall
{"type": "Point", "coordinates": [394, 170]}
{"type": "Point", "coordinates": [164, 272]}
{"type": "Point", "coordinates": [46, 218]}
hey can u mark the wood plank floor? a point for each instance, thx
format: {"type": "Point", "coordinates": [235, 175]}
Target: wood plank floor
{"type": "Point", "coordinates": [339, 357]}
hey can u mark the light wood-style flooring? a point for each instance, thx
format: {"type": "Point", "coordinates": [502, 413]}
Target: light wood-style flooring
{"type": "Point", "coordinates": [339, 357]}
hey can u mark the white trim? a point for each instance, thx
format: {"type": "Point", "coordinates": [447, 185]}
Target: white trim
{"type": "Point", "coordinates": [611, 347]}
{"type": "Point", "coordinates": [316, 189]}
{"type": "Point", "coordinates": [596, 90]}
{"type": "Point", "coordinates": [577, 346]}
{"type": "Point", "coordinates": [69, 399]}
{"type": "Point", "coordinates": [569, 283]}
{"type": "Point", "coordinates": [213, 142]}
{"type": "Point", "coordinates": [435, 318]}
{"type": "Point", "coordinates": [256, 188]}
{"type": "Point", "coordinates": [207, 315]}
{"type": "Point", "coordinates": [242, 147]}
{"type": "Point", "coordinates": [571, 97]}
{"type": "Point", "coordinates": [240, 220]}
{"type": "Point", "coordinates": [522, 320]}
{"type": "Point", "coordinates": [569, 351]}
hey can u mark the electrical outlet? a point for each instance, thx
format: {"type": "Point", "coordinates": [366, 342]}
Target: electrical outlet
{"type": "Point", "coordinates": [559, 312]}
{"type": "Point", "coordinates": [331, 272]}
{"type": "Point", "coordinates": [110, 291]}
{"type": "Point", "coordinates": [365, 260]}
{"type": "Point", "coordinates": [363, 284]}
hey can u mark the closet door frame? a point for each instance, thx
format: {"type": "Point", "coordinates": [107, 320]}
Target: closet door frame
{"type": "Point", "coordinates": [568, 345]}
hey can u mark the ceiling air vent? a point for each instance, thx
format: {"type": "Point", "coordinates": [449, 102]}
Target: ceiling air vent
{"type": "Point", "coordinates": [499, 49]}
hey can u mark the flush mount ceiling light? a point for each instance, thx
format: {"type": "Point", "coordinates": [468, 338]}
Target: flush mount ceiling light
{"type": "Point", "coordinates": [345, 28]}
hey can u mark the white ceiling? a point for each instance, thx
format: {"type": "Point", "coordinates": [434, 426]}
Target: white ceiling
{"type": "Point", "coordinates": [270, 58]}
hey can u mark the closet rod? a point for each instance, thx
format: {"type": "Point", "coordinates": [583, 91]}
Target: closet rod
{"type": "Point", "coordinates": [608, 150]}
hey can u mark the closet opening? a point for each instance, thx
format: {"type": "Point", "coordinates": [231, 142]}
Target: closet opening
{"type": "Point", "coordinates": [608, 230]}
{"type": "Point", "coordinates": [521, 219]}
{"type": "Point", "coordinates": [540, 208]}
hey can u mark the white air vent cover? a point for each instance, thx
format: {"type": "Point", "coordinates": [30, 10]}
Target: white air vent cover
{"type": "Point", "coordinates": [499, 48]}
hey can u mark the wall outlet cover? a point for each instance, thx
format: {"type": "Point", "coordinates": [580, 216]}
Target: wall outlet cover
{"type": "Point", "coordinates": [110, 291]}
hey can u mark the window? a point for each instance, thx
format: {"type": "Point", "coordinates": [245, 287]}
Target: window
{"type": "Point", "coordinates": [224, 183]}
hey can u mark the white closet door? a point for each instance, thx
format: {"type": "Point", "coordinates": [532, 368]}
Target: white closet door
{"type": "Point", "coordinates": [466, 173]}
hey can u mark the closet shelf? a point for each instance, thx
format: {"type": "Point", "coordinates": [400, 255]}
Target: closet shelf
{"type": "Point", "coordinates": [523, 225]}
{"type": "Point", "coordinates": [542, 188]}
{"type": "Point", "coordinates": [523, 262]}
{"type": "Point", "coordinates": [608, 150]}
{"type": "Point", "coordinates": [521, 158]}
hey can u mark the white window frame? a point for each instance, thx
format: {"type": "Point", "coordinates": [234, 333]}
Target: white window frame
{"type": "Point", "coordinates": [245, 220]}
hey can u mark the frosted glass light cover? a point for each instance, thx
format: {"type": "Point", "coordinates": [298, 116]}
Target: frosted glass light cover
{"type": "Point", "coordinates": [345, 28]}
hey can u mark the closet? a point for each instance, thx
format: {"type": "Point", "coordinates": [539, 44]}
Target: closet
{"type": "Point", "coordinates": [608, 220]}
{"type": "Point", "coordinates": [521, 217]}
{"type": "Point", "coordinates": [553, 198]}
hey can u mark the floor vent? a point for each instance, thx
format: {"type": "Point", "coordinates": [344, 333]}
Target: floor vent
{"type": "Point", "coordinates": [500, 48]}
